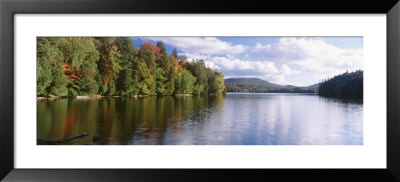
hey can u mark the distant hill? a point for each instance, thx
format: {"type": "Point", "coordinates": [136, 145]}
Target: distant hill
{"type": "Point", "coordinates": [316, 86]}
{"type": "Point", "coordinates": [261, 86]}
{"type": "Point", "coordinates": [252, 81]}
{"type": "Point", "coordinates": [344, 86]}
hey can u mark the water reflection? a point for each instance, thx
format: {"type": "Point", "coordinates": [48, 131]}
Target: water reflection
{"type": "Point", "coordinates": [235, 119]}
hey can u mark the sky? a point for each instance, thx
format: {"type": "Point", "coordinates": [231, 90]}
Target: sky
{"type": "Point", "coordinates": [300, 61]}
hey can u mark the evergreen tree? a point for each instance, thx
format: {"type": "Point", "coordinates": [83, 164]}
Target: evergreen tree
{"type": "Point", "coordinates": [175, 53]}
{"type": "Point", "coordinates": [44, 76]}
{"type": "Point", "coordinates": [71, 66]}
{"type": "Point", "coordinates": [147, 83]}
{"type": "Point", "coordinates": [43, 69]}
{"type": "Point", "coordinates": [127, 83]}
{"type": "Point", "coordinates": [58, 86]}
{"type": "Point", "coordinates": [160, 82]}
{"type": "Point", "coordinates": [198, 70]}
{"type": "Point", "coordinates": [108, 64]}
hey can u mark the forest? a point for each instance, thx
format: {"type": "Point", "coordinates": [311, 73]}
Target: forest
{"type": "Point", "coordinates": [344, 86]}
{"type": "Point", "coordinates": [113, 66]}
{"type": "Point", "coordinates": [262, 89]}
{"type": "Point", "coordinates": [256, 85]}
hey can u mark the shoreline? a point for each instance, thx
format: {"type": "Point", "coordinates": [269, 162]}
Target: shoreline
{"type": "Point", "coordinates": [39, 98]}
{"type": "Point", "coordinates": [142, 95]}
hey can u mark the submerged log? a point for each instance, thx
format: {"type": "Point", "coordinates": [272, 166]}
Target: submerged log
{"type": "Point", "coordinates": [96, 138]}
{"type": "Point", "coordinates": [54, 142]}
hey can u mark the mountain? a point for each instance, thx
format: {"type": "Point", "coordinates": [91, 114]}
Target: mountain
{"type": "Point", "coordinates": [262, 86]}
{"type": "Point", "coordinates": [252, 81]}
{"type": "Point", "coordinates": [314, 85]}
{"type": "Point", "coordinates": [344, 86]}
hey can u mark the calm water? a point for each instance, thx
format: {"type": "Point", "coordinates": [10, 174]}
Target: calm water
{"type": "Point", "coordinates": [234, 119]}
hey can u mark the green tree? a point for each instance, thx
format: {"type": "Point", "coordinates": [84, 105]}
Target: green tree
{"type": "Point", "coordinates": [148, 54]}
{"type": "Point", "coordinates": [166, 64]}
{"type": "Point", "coordinates": [108, 65]}
{"type": "Point", "coordinates": [175, 53]}
{"type": "Point", "coordinates": [198, 70]}
{"type": "Point", "coordinates": [187, 82]}
{"type": "Point", "coordinates": [58, 86]}
{"type": "Point", "coordinates": [43, 69]}
{"type": "Point", "coordinates": [71, 66]}
{"type": "Point", "coordinates": [217, 85]}
{"type": "Point", "coordinates": [160, 82]}
{"type": "Point", "coordinates": [127, 83]}
{"type": "Point", "coordinates": [84, 64]}
{"type": "Point", "coordinates": [184, 82]}
{"type": "Point", "coordinates": [50, 74]}
{"type": "Point", "coordinates": [44, 76]}
{"type": "Point", "coordinates": [147, 83]}
{"type": "Point", "coordinates": [170, 85]}
{"type": "Point", "coordinates": [87, 85]}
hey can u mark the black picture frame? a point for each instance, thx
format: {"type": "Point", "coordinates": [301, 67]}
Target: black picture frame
{"type": "Point", "coordinates": [9, 8]}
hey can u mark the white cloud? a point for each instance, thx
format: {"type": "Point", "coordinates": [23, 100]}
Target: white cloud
{"type": "Point", "coordinates": [201, 45]}
{"type": "Point", "coordinates": [212, 65]}
{"type": "Point", "coordinates": [286, 70]}
{"type": "Point", "coordinates": [278, 79]}
{"type": "Point", "coordinates": [310, 55]}
{"type": "Point", "coordinates": [196, 56]}
{"type": "Point", "coordinates": [302, 61]}
{"type": "Point", "coordinates": [234, 67]}
{"type": "Point", "coordinates": [237, 66]}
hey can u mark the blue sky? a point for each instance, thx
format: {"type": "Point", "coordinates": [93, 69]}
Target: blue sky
{"type": "Point", "coordinates": [300, 61]}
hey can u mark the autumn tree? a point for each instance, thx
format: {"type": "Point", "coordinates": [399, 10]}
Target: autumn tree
{"type": "Point", "coordinates": [148, 54]}
{"type": "Point", "coordinates": [81, 58]}
{"type": "Point", "coordinates": [58, 86]}
{"type": "Point", "coordinates": [50, 59]}
{"type": "Point", "coordinates": [71, 66]}
{"type": "Point", "coordinates": [216, 83]}
{"type": "Point", "coordinates": [127, 83]}
{"type": "Point", "coordinates": [108, 65]}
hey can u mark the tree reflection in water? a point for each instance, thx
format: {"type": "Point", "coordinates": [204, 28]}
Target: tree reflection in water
{"type": "Point", "coordinates": [123, 121]}
{"type": "Point", "coordinates": [235, 119]}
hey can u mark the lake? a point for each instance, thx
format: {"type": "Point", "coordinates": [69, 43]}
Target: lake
{"type": "Point", "coordinates": [234, 119]}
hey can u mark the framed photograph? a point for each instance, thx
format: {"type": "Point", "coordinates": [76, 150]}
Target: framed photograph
{"type": "Point", "coordinates": [132, 90]}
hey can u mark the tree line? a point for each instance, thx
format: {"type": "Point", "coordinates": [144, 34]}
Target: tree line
{"type": "Point", "coordinates": [109, 66]}
{"type": "Point", "coordinates": [235, 87]}
{"type": "Point", "coordinates": [256, 85]}
{"type": "Point", "coordinates": [344, 86]}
